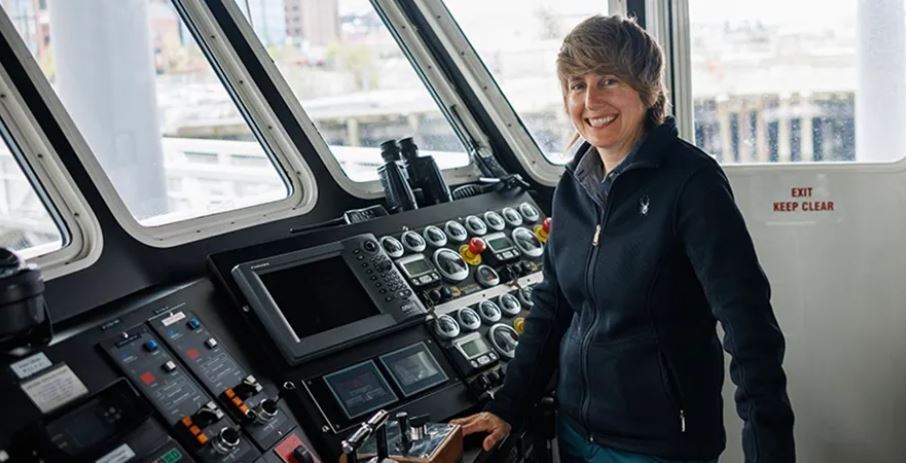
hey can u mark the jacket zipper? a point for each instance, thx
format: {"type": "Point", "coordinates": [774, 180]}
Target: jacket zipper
{"type": "Point", "coordinates": [673, 387]}
{"type": "Point", "coordinates": [589, 265]}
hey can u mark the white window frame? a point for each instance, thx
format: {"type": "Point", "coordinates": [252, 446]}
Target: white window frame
{"type": "Point", "coordinates": [82, 239]}
{"type": "Point", "coordinates": [286, 159]}
{"type": "Point", "coordinates": [668, 23]}
{"type": "Point", "coordinates": [419, 56]}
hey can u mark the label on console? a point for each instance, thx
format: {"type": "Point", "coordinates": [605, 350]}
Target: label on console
{"type": "Point", "coordinates": [30, 365]}
{"type": "Point", "coordinates": [120, 454]}
{"type": "Point", "coordinates": [54, 388]}
{"type": "Point", "coordinates": [173, 318]}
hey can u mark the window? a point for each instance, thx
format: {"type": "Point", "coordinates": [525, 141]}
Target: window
{"type": "Point", "coordinates": [353, 80]}
{"type": "Point", "coordinates": [804, 81]}
{"type": "Point", "coordinates": [25, 223]}
{"type": "Point", "coordinates": [147, 101]}
{"type": "Point", "coordinates": [518, 41]}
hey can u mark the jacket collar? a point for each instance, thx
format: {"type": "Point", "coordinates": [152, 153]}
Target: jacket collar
{"type": "Point", "coordinates": [648, 153]}
{"type": "Point", "coordinates": [586, 165]}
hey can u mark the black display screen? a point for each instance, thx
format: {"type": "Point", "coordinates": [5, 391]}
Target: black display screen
{"type": "Point", "coordinates": [417, 267]}
{"type": "Point", "coordinates": [318, 296]}
{"type": "Point", "coordinates": [414, 369]}
{"type": "Point", "coordinates": [360, 389]}
{"type": "Point", "coordinates": [474, 348]}
{"type": "Point", "coordinates": [499, 244]}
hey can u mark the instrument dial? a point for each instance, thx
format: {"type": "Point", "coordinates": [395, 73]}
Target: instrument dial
{"type": "Point", "coordinates": [456, 231]}
{"type": "Point", "coordinates": [475, 225]}
{"type": "Point", "coordinates": [509, 304]}
{"type": "Point", "coordinates": [504, 339]}
{"type": "Point", "coordinates": [527, 242]}
{"type": "Point", "coordinates": [392, 246]}
{"type": "Point", "coordinates": [489, 311]}
{"type": "Point", "coordinates": [512, 216]}
{"type": "Point", "coordinates": [451, 265]}
{"type": "Point", "coordinates": [468, 319]}
{"type": "Point", "coordinates": [529, 212]}
{"type": "Point", "coordinates": [413, 241]}
{"type": "Point", "coordinates": [487, 276]}
{"type": "Point", "coordinates": [435, 236]}
{"type": "Point", "coordinates": [446, 327]}
{"type": "Point", "coordinates": [494, 220]}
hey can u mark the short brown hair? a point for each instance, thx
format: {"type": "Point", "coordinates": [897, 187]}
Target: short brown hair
{"type": "Point", "coordinates": [618, 46]}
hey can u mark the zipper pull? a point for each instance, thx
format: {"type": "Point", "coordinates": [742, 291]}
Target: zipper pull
{"type": "Point", "coordinates": [682, 420]}
{"type": "Point", "coordinates": [594, 241]}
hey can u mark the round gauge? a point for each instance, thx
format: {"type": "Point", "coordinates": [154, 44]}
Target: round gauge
{"type": "Point", "coordinates": [446, 327]}
{"type": "Point", "coordinates": [489, 311]}
{"type": "Point", "coordinates": [435, 236]}
{"type": "Point", "coordinates": [475, 225]}
{"type": "Point", "coordinates": [509, 304]}
{"type": "Point", "coordinates": [504, 339]}
{"type": "Point", "coordinates": [392, 246]}
{"type": "Point", "coordinates": [456, 231]}
{"type": "Point", "coordinates": [451, 265]}
{"type": "Point", "coordinates": [494, 220]}
{"type": "Point", "coordinates": [512, 216]}
{"type": "Point", "coordinates": [413, 241]}
{"type": "Point", "coordinates": [527, 242]}
{"type": "Point", "coordinates": [487, 276]}
{"type": "Point", "coordinates": [529, 212]}
{"type": "Point", "coordinates": [468, 319]}
{"type": "Point", "coordinates": [525, 296]}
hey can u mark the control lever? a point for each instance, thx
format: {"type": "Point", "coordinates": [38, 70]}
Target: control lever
{"type": "Point", "coordinates": [377, 423]}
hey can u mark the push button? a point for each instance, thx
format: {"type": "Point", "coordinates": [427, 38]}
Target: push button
{"type": "Point", "coordinates": [151, 345]}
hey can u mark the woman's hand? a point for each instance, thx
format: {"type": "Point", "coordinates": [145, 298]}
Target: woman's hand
{"type": "Point", "coordinates": [485, 421]}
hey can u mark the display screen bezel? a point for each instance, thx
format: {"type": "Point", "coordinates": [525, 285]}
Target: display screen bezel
{"type": "Point", "coordinates": [473, 339]}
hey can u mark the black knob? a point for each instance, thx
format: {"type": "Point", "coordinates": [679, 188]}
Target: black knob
{"type": "Point", "coordinates": [370, 246]}
{"type": "Point", "coordinates": [229, 437]}
{"type": "Point", "coordinates": [206, 416]}
{"type": "Point", "coordinates": [302, 455]}
{"type": "Point", "coordinates": [445, 293]}
{"type": "Point", "coordinates": [268, 408]}
{"type": "Point", "coordinates": [435, 295]}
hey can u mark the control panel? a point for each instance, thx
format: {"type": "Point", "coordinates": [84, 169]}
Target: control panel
{"type": "Point", "coordinates": [475, 273]}
{"type": "Point", "coordinates": [199, 422]}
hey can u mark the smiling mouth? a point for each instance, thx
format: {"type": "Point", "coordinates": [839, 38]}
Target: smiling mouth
{"type": "Point", "coordinates": [599, 122]}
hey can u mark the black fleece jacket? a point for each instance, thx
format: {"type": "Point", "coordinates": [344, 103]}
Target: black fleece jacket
{"type": "Point", "coordinates": [633, 288]}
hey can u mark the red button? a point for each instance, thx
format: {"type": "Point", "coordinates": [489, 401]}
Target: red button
{"type": "Point", "coordinates": [147, 377]}
{"type": "Point", "coordinates": [193, 353]}
{"type": "Point", "coordinates": [477, 246]}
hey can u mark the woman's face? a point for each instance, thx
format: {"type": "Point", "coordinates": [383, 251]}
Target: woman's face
{"type": "Point", "coordinates": [606, 112]}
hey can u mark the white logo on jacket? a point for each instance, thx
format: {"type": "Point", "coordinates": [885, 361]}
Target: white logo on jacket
{"type": "Point", "coordinates": [644, 202]}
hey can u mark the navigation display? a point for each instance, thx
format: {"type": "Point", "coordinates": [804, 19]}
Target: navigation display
{"type": "Point", "coordinates": [414, 369]}
{"type": "Point", "coordinates": [318, 296]}
{"type": "Point", "coordinates": [360, 389]}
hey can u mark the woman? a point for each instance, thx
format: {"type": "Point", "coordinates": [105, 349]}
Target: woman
{"type": "Point", "coordinates": [647, 252]}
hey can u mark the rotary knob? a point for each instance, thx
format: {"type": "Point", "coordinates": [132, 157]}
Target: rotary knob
{"type": "Point", "coordinates": [468, 319]}
{"type": "Point", "coordinates": [392, 246]}
{"type": "Point", "coordinates": [487, 276]}
{"type": "Point", "coordinates": [494, 220]}
{"type": "Point", "coordinates": [489, 312]}
{"type": "Point", "coordinates": [525, 297]}
{"type": "Point", "coordinates": [456, 231]}
{"type": "Point", "coordinates": [413, 241]}
{"type": "Point", "coordinates": [227, 440]}
{"type": "Point", "coordinates": [509, 304]}
{"type": "Point", "coordinates": [529, 212]}
{"type": "Point", "coordinates": [475, 225]}
{"type": "Point", "coordinates": [435, 236]}
{"type": "Point", "coordinates": [267, 409]}
{"type": "Point", "coordinates": [446, 327]}
{"type": "Point", "coordinates": [512, 217]}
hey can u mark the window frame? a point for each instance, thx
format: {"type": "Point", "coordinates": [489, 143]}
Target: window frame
{"type": "Point", "coordinates": [81, 236]}
{"type": "Point", "coordinates": [405, 34]}
{"type": "Point", "coordinates": [284, 155]}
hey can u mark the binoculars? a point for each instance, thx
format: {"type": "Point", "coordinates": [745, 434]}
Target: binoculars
{"type": "Point", "coordinates": [409, 179]}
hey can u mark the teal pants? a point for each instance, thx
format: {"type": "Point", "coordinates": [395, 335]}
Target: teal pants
{"type": "Point", "coordinates": [576, 449]}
